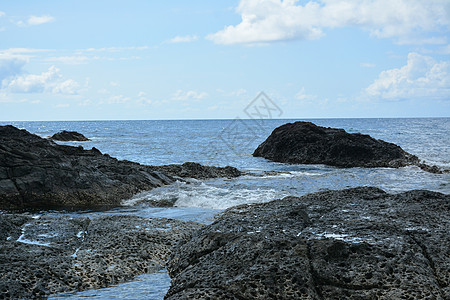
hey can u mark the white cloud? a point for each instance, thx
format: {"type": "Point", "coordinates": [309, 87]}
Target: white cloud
{"type": "Point", "coordinates": [62, 105]}
{"type": "Point", "coordinates": [67, 87]}
{"type": "Point", "coordinates": [116, 99]}
{"type": "Point", "coordinates": [303, 96]}
{"type": "Point", "coordinates": [238, 93]}
{"type": "Point", "coordinates": [184, 39]}
{"type": "Point", "coordinates": [421, 78]}
{"type": "Point", "coordinates": [50, 81]}
{"type": "Point", "coordinates": [35, 20]}
{"type": "Point", "coordinates": [68, 60]}
{"type": "Point", "coordinates": [367, 65]}
{"type": "Point", "coordinates": [115, 49]}
{"type": "Point", "coordinates": [275, 20]}
{"type": "Point", "coordinates": [2, 13]}
{"type": "Point", "coordinates": [189, 95]}
{"type": "Point", "coordinates": [10, 66]}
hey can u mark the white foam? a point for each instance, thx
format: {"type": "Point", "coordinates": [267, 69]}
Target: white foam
{"type": "Point", "coordinates": [289, 174]}
{"type": "Point", "coordinates": [23, 240]}
{"type": "Point", "coordinates": [344, 237]}
{"type": "Point", "coordinates": [206, 196]}
{"type": "Point", "coordinates": [202, 195]}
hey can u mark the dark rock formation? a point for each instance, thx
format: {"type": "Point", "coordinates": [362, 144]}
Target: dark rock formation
{"type": "Point", "coordinates": [38, 173]}
{"type": "Point", "coordinates": [49, 255]}
{"type": "Point", "coordinates": [307, 143]}
{"type": "Point", "coordinates": [69, 136]}
{"type": "Point", "coordinates": [197, 171]}
{"type": "Point", "coordinates": [359, 243]}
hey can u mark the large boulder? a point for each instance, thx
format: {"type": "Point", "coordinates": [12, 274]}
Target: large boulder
{"type": "Point", "coordinates": [359, 243]}
{"type": "Point", "coordinates": [38, 173]}
{"type": "Point", "coordinates": [307, 143]}
{"type": "Point", "coordinates": [69, 136]}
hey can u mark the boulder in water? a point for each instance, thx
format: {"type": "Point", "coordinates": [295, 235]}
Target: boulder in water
{"type": "Point", "coordinates": [69, 136]}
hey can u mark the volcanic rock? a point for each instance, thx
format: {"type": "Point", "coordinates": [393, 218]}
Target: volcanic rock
{"type": "Point", "coordinates": [197, 171]}
{"type": "Point", "coordinates": [39, 173]}
{"type": "Point", "coordinates": [307, 143]}
{"type": "Point", "coordinates": [69, 136]}
{"type": "Point", "coordinates": [359, 243]}
{"type": "Point", "coordinates": [45, 255]}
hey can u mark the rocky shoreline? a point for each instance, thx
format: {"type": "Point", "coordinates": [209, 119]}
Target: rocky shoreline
{"type": "Point", "coordinates": [36, 173]}
{"type": "Point", "coordinates": [359, 243]}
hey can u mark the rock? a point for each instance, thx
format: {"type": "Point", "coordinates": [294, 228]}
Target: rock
{"type": "Point", "coordinates": [38, 173]}
{"type": "Point", "coordinates": [197, 171]}
{"type": "Point", "coordinates": [50, 255]}
{"type": "Point", "coordinates": [307, 143]}
{"type": "Point", "coordinates": [359, 243]}
{"type": "Point", "coordinates": [69, 136]}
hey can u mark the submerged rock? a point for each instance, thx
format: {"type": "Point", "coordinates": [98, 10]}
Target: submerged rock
{"type": "Point", "coordinates": [49, 255]}
{"type": "Point", "coordinates": [38, 173]}
{"type": "Point", "coordinates": [359, 243]}
{"type": "Point", "coordinates": [307, 143]}
{"type": "Point", "coordinates": [69, 136]}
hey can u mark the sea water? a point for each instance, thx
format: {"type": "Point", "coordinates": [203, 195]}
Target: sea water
{"type": "Point", "coordinates": [232, 142]}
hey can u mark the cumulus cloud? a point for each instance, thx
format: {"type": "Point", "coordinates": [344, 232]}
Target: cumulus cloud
{"type": "Point", "coordinates": [189, 95]}
{"type": "Point", "coordinates": [35, 20]}
{"type": "Point", "coordinates": [49, 81]}
{"type": "Point", "coordinates": [184, 39]}
{"type": "Point", "coordinates": [10, 66]}
{"type": "Point", "coordinates": [421, 78]}
{"type": "Point", "coordinates": [275, 20]}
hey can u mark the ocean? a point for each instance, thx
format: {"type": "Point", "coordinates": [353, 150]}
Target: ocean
{"type": "Point", "coordinates": [232, 142]}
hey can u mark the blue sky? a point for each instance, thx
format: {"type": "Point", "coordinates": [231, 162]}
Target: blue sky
{"type": "Point", "coordinates": [101, 60]}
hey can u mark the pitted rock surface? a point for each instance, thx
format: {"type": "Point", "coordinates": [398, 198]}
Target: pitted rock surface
{"type": "Point", "coordinates": [49, 255]}
{"type": "Point", "coordinates": [359, 243]}
{"type": "Point", "coordinates": [307, 143]}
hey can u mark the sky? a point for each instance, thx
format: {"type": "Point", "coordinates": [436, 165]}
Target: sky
{"type": "Point", "coordinates": [199, 59]}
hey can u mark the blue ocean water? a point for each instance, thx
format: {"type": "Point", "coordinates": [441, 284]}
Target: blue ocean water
{"type": "Point", "coordinates": [232, 142]}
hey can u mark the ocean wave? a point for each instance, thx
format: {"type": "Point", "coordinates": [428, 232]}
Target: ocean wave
{"type": "Point", "coordinates": [203, 195]}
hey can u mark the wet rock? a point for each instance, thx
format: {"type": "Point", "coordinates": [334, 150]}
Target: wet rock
{"type": "Point", "coordinates": [49, 255]}
{"type": "Point", "coordinates": [38, 173]}
{"type": "Point", "coordinates": [69, 136]}
{"type": "Point", "coordinates": [307, 143]}
{"type": "Point", "coordinates": [359, 243]}
{"type": "Point", "coordinates": [197, 171]}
